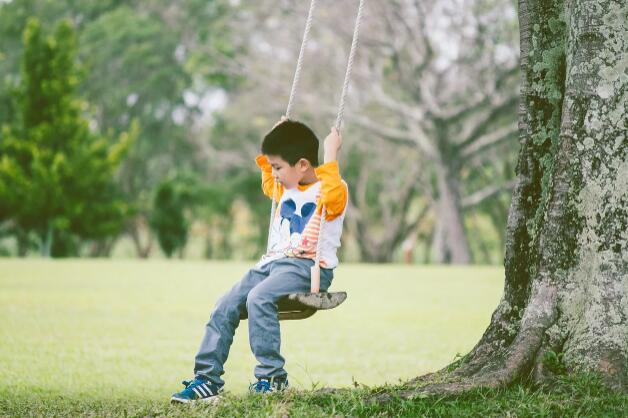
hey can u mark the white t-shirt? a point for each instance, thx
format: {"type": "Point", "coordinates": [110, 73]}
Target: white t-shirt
{"type": "Point", "coordinates": [296, 225]}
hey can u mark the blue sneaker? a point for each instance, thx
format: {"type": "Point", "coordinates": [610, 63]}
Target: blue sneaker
{"type": "Point", "coordinates": [197, 390]}
{"type": "Point", "coordinates": [265, 385]}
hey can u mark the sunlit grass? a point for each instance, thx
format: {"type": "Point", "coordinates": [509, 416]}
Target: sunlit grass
{"type": "Point", "coordinates": [130, 329]}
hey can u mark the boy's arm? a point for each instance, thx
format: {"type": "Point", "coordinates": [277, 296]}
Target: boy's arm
{"type": "Point", "coordinates": [334, 193]}
{"type": "Point", "coordinates": [268, 181]}
{"type": "Point", "coordinates": [333, 189]}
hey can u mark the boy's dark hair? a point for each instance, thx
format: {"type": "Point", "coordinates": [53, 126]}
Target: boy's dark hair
{"type": "Point", "coordinates": [292, 140]}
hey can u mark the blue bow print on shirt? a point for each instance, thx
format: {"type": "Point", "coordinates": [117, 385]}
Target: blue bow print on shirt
{"type": "Point", "coordinates": [297, 222]}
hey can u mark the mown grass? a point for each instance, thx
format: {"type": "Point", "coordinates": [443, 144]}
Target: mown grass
{"type": "Point", "coordinates": [115, 338]}
{"type": "Point", "coordinates": [578, 396]}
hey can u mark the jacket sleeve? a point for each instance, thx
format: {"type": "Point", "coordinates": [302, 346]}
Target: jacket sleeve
{"type": "Point", "coordinates": [333, 189]}
{"type": "Point", "coordinates": [268, 182]}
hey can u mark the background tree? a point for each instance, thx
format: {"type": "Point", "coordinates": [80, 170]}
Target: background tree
{"type": "Point", "coordinates": [168, 218]}
{"type": "Point", "coordinates": [153, 62]}
{"type": "Point", "coordinates": [137, 73]}
{"type": "Point", "coordinates": [205, 81]}
{"type": "Point", "coordinates": [13, 18]}
{"type": "Point", "coordinates": [454, 111]}
{"type": "Point", "coordinates": [385, 207]}
{"type": "Point", "coordinates": [565, 302]}
{"type": "Point", "coordinates": [56, 177]}
{"type": "Point", "coordinates": [447, 90]}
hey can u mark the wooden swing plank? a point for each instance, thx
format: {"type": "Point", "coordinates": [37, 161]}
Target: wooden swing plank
{"type": "Point", "coordinates": [318, 301]}
{"type": "Point", "coordinates": [304, 305]}
{"type": "Point", "coordinates": [294, 315]}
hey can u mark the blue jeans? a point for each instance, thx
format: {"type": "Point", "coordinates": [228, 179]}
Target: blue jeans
{"type": "Point", "coordinates": [257, 292]}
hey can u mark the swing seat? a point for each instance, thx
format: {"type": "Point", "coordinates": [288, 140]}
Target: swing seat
{"type": "Point", "coordinates": [304, 305]}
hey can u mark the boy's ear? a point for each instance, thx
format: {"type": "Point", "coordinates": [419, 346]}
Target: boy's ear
{"type": "Point", "coordinates": [303, 164]}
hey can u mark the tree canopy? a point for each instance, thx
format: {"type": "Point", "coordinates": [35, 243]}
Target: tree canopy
{"type": "Point", "coordinates": [56, 176]}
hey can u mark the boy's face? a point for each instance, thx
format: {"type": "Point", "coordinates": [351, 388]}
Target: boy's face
{"type": "Point", "coordinates": [288, 175]}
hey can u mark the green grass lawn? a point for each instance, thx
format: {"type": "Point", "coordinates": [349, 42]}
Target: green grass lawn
{"type": "Point", "coordinates": [109, 327]}
{"type": "Point", "coordinates": [83, 337]}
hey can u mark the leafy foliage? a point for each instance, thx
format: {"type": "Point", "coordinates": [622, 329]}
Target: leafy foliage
{"type": "Point", "coordinates": [554, 362]}
{"type": "Point", "coordinates": [55, 174]}
{"type": "Point", "coordinates": [168, 217]}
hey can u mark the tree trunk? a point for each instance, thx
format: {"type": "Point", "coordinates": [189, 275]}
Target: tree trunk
{"type": "Point", "coordinates": [375, 253]}
{"type": "Point", "coordinates": [102, 247]}
{"type": "Point", "coordinates": [46, 239]}
{"type": "Point", "coordinates": [565, 302]}
{"type": "Point", "coordinates": [135, 228]}
{"type": "Point", "coordinates": [23, 241]}
{"type": "Point", "coordinates": [381, 226]}
{"type": "Point", "coordinates": [450, 239]}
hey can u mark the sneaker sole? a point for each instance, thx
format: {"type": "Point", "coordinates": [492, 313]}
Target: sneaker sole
{"type": "Point", "coordinates": [211, 400]}
{"type": "Point", "coordinates": [271, 392]}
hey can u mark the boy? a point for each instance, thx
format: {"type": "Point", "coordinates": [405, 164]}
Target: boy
{"type": "Point", "coordinates": [290, 158]}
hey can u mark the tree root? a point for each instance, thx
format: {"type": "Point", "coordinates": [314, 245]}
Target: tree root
{"type": "Point", "coordinates": [516, 363]}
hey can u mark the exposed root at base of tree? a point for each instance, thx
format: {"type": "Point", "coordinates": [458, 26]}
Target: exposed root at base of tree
{"type": "Point", "coordinates": [515, 364]}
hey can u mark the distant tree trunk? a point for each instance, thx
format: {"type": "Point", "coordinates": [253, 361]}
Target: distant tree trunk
{"type": "Point", "coordinates": [218, 245]}
{"type": "Point", "coordinates": [46, 239]}
{"type": "Point", "coordinates": [450, 241]}
{"type": "Point", "coordinates": [23, 240]}
{"type": "Point", "coordinates": [380, 224]}
{"type": "Point", "coordinates": [565, 302]}
{"type": "Point", "coordinates": [407, 247]}
{"type": "Point", "coordinates": [135, 228]}
{"type": "Point", "coordinates": [373, 253]}
{"type": "Point", "coordinates": [102, 247]}
{"type": "Point", "coordinates": [22, 247]}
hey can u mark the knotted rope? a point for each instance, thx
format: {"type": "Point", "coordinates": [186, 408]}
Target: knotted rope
{"type": "Point", "coordinates": [339, 118]}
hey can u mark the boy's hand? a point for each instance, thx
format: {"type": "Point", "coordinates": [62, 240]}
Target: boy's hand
{"type": "Point", "coordinates": [332, 144]}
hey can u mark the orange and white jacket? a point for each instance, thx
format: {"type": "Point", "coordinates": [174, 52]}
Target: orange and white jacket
{"type": "Point", "coordinates": [296, 223]}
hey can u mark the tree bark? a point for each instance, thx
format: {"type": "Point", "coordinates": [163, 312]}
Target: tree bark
{"type": "Point", "coordinates": [565, 302]}
{"type": "Point", "coordinates": [451, 245]}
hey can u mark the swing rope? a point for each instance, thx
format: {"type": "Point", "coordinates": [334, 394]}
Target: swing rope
{"type": "Point", "coordinates": [293, 91]}
{"type": "Point", "coordinates": [354, 46]}
{"type": "Point", "coordinates": [339, 120]}
{"type": "Point", "coordinates": [297, 72]}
